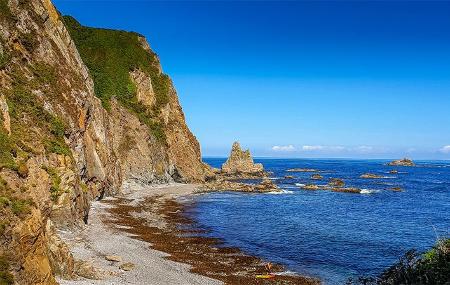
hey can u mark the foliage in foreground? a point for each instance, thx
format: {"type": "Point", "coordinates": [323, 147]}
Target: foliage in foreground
{"type": "Point", "coordinates": [431, 267]}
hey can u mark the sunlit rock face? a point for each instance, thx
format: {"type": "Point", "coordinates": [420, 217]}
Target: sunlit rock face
{"type": "Point", "coordinates": [241, 161]}
{"type": "Point", "coordinates": [61, 147]}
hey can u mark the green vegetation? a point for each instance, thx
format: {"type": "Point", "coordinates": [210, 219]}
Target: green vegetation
{"type": "Point", "coordinates": [55, 189]}
{"type": "Point", "coordinates": [431, 267]}
{"type": "Point", "coordinates": [28, 41]}
{"type": "Point", "coordinates": [6, 150]}
{"type": "Point", "coordinates": [6, 278]}
{"type": "Point", "coordinates": [5, 12]}
{"type": "Point", "coordinates": [23, 104]}
{"type": "Point", "coordinates": [110, 55]}
{"type": "Point", "coordinates": [21, 207]}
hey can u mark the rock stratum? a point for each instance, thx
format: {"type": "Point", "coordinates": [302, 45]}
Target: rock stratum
{"type": "Point", "coordinates": [82, 111]}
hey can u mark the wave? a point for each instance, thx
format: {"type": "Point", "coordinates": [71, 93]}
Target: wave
{"type": "Point", "coordinates": [368, 191]}
{"type": "Point", "coordinates": [299, 184]}
{"type": "Point", "coordinates": [280, 192]}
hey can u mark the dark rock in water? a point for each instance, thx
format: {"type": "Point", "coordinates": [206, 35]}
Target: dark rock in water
{"type": "Point", "coordinates": [402, 162]}
{"type": "Point", "coordinates": [371, 176]}
{"type": "Point", "coordinates": [288, 177]}
{"type": "Point", "coordinates": [316, 177]}
{"type": "Point", "coordinates": [396, 189]}
{"type": "Point", "coordinates": [346, 190]}
{"type": "Point", "coordinates": [336, 182]}
{"type": "Point", "coordinates": [393, 171]}
{"type": "Point", "coordinates": [302, 170]}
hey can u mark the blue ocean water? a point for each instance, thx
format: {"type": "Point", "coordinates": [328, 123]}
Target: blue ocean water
{"type": "Point", "coordinates": [333, 235]}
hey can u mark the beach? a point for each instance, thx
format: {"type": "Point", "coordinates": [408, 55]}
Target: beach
{"type": "Point", "coordinates": [141, 229]}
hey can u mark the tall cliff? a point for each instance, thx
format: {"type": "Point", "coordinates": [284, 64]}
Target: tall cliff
{"type": "Point", "coordinates": [81, 111]}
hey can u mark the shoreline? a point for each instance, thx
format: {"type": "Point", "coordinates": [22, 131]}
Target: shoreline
{"type": "Point", "coordinates": [147, 227]}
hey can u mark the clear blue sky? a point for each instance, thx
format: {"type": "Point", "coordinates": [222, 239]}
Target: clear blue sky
{"type": "Point", "coordinates": [300, 79]}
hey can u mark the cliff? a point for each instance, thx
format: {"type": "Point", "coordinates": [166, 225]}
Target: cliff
{"type": "Point", "coordinates": [241, 162]}
{"type": "Point", "coordinates": [82, 111]}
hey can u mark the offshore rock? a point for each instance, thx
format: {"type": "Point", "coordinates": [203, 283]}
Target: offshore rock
{"type": "Point", "coordinates": [402, 162]}
{"type": "Point", "coordinates": [241, 162]}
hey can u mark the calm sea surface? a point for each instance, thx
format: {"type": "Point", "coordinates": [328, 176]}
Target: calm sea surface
{"type": "Point", "coordinates": [331, 235]}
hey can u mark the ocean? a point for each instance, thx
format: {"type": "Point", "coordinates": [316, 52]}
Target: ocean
{"type": "Point", "coordinates": [332, 235]}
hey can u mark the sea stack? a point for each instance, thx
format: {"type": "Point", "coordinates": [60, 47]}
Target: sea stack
{"type": "Point", "coordinates": [402, 162]}
{"type": "Point", "coordinates": [241, 162]}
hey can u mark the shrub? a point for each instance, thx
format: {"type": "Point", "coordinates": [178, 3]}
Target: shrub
{"type": "Point", "coordinates": [21, 207]}
{"type": "Point", "coordinates": [6, 278]}
{"type": "Point", "coordinates": [110, 55]}
{"type": "Point", "coordinates": [431, 267]}
{"type": "Point", "coordinates": [6, 151]}
{"type": "Point", "coordinates": [55, 188]}
{"type": "Point", "coordinates": [22, 169]}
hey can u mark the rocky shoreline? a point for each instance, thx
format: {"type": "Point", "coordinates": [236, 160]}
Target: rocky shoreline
{"type": "Point", "coordinates": [154, 221]}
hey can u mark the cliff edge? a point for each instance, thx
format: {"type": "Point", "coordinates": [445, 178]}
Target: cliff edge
{"type": "Point", "coordinates": [81, 111]}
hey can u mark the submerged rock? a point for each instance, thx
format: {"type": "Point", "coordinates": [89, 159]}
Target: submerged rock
{"type": "Point", "coordinates": [393, 171]}
{"type": "Point", "coordinates": [402, 162]}
{"type": "Point", "coordinates": [288, 177]}
{"type": "Point", "coordinates": [241, 162]}
{"type": "Point", "coordinates": [316, 177]}
{"type": "Point", "coordinates": [311, 187]}
{"type": "Point", "coordinates": [302, 170]}
{"type": "Point", "coordinates": [371, 176]}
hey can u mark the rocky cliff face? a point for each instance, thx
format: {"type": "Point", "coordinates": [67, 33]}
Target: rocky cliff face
{"type": "Point", "coordinates": [241, 162]}
{"type": "Point", "coordinates": [62, 144]}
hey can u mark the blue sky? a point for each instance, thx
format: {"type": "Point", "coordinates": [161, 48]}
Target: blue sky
{"type": "Point", "coordinates": [300, 78]}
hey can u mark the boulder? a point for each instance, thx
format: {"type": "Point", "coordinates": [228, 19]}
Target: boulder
{"type": "Point", "coordinates": [310, 187]}
{"type": "Point", "coordinates": [316, 177]}
{"type": "Point", "coordinates": [113, 258]}
{"type": "Point", "coordinates": [128, 266]}
{"type": "Point", "coordinates": [336, 182]}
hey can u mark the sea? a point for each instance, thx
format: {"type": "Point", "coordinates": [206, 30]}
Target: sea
{"type": "Point", "coordinates": [332, 235]}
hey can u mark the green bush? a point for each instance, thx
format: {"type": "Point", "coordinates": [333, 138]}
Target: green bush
{"type": "Point", "coordinates": [21, 207]}
{"type": "Point", "coordinates": [6, 150]}
{"type": "Point", "coordinates": [55, 188]}
{"type": "Point", "coordinates": [431, 267]}
{"type": "Point", "coordinates": [22, 103]}
{"type": "Point", "coordinates": [110, 55]}
{"type": "Point", "coordinates": [6, 278]}
{"type": "Point", "coordinates": [5, 12]}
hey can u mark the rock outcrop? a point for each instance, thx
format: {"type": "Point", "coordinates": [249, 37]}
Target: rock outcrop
{"type": "Point", "coordinates": [67, 138]}
{"type": "Point", "coordinates": [402, 162]}
{"type": "Point", "coordinates": [241, 162]}
{"type": "Point", "coordinates": [371, 176]}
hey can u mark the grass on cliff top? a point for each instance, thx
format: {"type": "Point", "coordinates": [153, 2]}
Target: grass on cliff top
{"type": "Point", "coordinates": [110, 55]}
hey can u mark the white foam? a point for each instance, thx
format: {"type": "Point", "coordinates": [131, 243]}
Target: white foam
{"type": "Point", "coordinates": [280, 192]}
{"type": "Point", "coordinates": [299, 184]}
{"type": "Point", "coordinates": [368, 191]}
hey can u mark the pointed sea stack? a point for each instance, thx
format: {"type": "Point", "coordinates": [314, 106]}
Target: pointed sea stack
{"type": "Point", "coordinates": [241, 162]}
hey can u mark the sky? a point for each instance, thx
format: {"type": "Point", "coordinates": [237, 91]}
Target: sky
{"type": "Point", "coordinates": [313, 79]}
